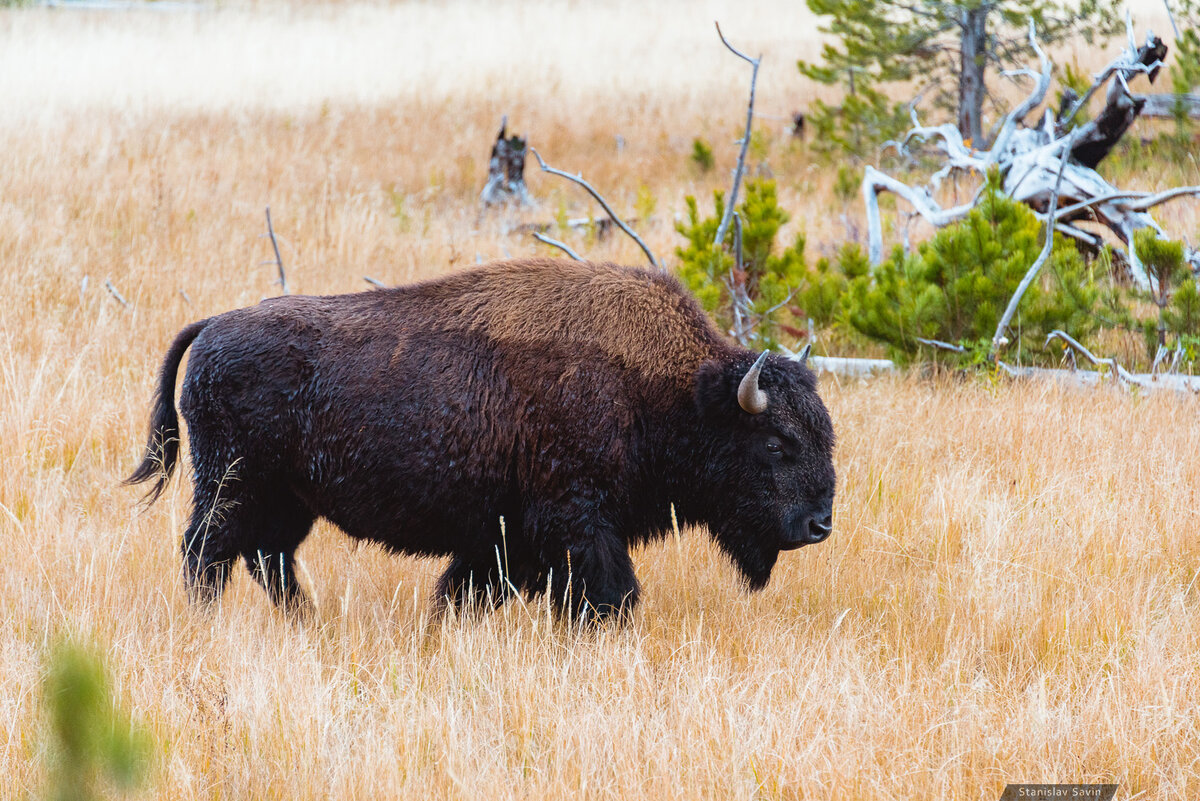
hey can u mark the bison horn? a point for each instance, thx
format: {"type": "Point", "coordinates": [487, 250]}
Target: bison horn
{"type": "Point", "coordinates": [750, 397]}
{"type": "Point", "coordinates": [803, 357]}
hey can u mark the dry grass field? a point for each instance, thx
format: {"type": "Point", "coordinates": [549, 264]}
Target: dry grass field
{"type": "Point", "coordinates": [1011, 593]}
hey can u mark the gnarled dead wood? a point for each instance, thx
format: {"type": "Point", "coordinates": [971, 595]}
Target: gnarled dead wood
{"type": "Point", "coordinates": [1030, 162]}
{"type": "Point", "coordinates": [506, 171]}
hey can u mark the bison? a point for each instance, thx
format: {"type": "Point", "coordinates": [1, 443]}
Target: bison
{"type": "Point", "coordinates": [576, 401]}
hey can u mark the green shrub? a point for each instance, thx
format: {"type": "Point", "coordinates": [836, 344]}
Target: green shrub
{"type": "Point", "coordinates": [865, 120]}
{"type": "Point", "coordinates": [956, 286]}
{"type": "Point", "coordinates": [770, 278]}
{"type": "Point", "coordinates": [1185, 77]}
{"type": "Point", "coordinates": [820, 299]}
{"type": "Point", "coordinates": [1177, 297]}
{"type": "Point", "coordinates": [702, 156]}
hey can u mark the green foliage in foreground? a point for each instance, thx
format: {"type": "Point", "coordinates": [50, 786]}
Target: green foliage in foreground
{"type": "Point", "coordinates": [955, 288]}
{"type": "Point", "coordinates": [95, 747]}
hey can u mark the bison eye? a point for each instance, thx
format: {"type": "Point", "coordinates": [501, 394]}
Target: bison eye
{"type": "Point", "coordinates": [774, 447]}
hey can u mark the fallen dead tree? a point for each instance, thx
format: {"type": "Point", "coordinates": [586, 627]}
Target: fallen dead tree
{"type": "Point", "coordinates": [1164, 105]}
{"type": "Point", "coordinates": [845, 367]}
{"type": "Point", "coordinates": [1032, 160]}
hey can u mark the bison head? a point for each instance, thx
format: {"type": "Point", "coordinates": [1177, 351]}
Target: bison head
{"type": "Point", "coordinates": [770, 478]}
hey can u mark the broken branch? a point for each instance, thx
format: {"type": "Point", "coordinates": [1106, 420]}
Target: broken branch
{"type": "Point", "coordinates": [741, 162]}
{"type": "Point", "coordinates": [1111, 362]}
{"type": "Point", "coordinates": [555, 243]}
{"type": "Point", "coordinates": [1047, 247]}
{"type": "Point", "coordinates": [940, 345]}
{"type": "Point", "coordinates": [108, 284]}
{"type": "Point", "coordinates": [578, 179]}
{"type": "Point", "coordinates": [278, 259]}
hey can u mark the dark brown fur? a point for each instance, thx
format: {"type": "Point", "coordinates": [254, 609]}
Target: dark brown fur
{"type": "Point", "coordinates": [577, 401]}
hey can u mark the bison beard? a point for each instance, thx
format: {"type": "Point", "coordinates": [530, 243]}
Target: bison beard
{"type": "Point", "coordinates": [577, 401]}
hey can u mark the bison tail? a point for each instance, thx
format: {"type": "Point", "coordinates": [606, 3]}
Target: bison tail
{"type": "Point", "coordinates": [162, 446]}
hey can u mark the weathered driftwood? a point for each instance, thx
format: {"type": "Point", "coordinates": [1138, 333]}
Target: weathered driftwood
{"type": "Point", "coordinates": [1029, 160]}
{"type": "Point", "coordinates": [852, 368]}
{"type": "Point", "coordinates": [1163, 105]}
{"type": "Point", "coordinates": [1149, 382]}
{"type": "Point", "coordinates": [506, 171]}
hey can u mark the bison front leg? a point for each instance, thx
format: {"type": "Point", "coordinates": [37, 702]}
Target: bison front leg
{"type": "Point", "coordinates": [600, 583]}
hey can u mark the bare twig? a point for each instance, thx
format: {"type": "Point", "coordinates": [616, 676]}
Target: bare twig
{"type": "Point", "coordinates": [741, 163]}
{"type": "Point", "coordinates": [739, 300]}
{"type": "Point", "coordinates": [112, 290]}
{"type": "Point", "coordinates": [737, 242]}
{"type": "Point", "coordinates": [278, 259]}
{"type": "Point", "coordinates": [375, 282]}
{"type": "Point", "coordinates": [940, 345]}
{"type": "Point", "coordinates": [1030, 103]}
{"type": "Point", "coordinates": [788, 299]}
{"type": "Point", "coordinates": [1171, 16]}
{"type": "Point", "coordinates": [555, 243]}
{"type": "Point", "coordinates": [603, 203]}
{"type": "Point", "coordinates": [1162, 197]}
{"type": "Point", "coordinates": [1111, 363]}
{"type": "Point", "coordinates": [1047, 247]}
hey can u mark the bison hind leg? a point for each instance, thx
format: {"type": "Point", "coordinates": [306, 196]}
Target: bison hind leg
{"type": "Point", "coordinates": [270, 535]}
{"type": "Point", "coordinates": [235, 519]}
{"type": "Point", "coordinates": [275, 572]}
{"type": "Point", "coordinates": [471, 581]}
{"type": "Point", "coordinates": [208, 555]}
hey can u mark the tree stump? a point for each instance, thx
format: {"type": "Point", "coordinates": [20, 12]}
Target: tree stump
{"type": "Point", "coordinates": [506, 171]}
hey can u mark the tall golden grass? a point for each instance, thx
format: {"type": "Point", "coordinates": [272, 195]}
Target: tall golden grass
{"type": "Point", "coordinates": [1010, 593]}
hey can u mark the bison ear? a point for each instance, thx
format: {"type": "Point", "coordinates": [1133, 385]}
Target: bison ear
{"type": "Point", "coordinates": [717, 389]}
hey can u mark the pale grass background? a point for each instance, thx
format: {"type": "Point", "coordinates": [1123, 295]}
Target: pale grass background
{"type": "Point", "coordinates": [1010, 593]}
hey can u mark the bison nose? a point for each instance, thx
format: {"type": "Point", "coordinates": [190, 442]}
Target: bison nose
{"type": "Point", "coordinates": [818, 530]}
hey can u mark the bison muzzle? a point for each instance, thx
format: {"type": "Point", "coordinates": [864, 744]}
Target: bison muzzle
{"type": "Point", "coordinates": [576, 401]}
